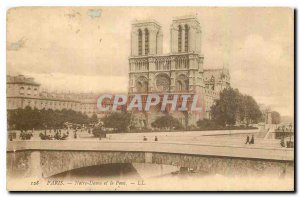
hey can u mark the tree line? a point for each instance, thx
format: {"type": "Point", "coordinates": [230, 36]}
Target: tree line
{"type": "Point", "coordinates": [123, 122]}
{"type": "Point", "coordinates": [28, 118]}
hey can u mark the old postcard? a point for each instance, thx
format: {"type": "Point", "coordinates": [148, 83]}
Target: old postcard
{"type": "Point", "coordinates": [150, 99]}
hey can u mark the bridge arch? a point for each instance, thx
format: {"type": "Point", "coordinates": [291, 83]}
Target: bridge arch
{"type": "Point", "coordinates": [48, 163]}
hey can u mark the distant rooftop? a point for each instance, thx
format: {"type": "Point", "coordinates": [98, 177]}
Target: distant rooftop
{"type": "Point", "coordinates": [21, 79]}
{"type": "Point", "coordinates": [217, 74]}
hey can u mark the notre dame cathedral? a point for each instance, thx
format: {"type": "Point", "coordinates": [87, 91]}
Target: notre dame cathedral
{"type": "Point", "coordinates": [179, 72]}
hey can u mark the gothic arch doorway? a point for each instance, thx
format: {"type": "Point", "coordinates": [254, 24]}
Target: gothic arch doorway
{"type": "Point", "coordinates": [182, 83]}
{"type": "Point", "coordinates": [141, 84]}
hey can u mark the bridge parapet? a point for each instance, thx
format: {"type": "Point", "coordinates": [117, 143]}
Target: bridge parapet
{"type": "Point", "coordinates": [246, 151]}
{"type": "Point", "coordinates": [45, 164]}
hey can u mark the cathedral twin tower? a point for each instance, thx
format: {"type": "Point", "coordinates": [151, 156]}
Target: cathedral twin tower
{"type": "Point", "coordinates": [179, 72]}
{"type": "Point", "coordinates": [147, 37]}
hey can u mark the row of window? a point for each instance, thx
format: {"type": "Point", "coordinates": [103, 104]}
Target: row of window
{"type": "Point", "coordinates": [28, 91]}
{"type": "Point", "coordinates": [180, 63]}
{"type": "Point", "coordinates": [181, 48]}
{"type": "Point", "coordinates": [53, 104]}
{"type": "Point", "coordinates": [141, 66]}
{"type": "Point", "coordinates": [163, 84]}
{"type": "Point", "coordinates": [163, 65]}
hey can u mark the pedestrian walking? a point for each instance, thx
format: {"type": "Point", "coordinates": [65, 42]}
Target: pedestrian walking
{"type": "Point", "coordinates": [252, 140]}
{"type": "Point", "coordinates": [248, 140]}
{"type": "Point", "coordinates": [282, 142]}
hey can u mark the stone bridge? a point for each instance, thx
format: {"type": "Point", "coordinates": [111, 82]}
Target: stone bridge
{"type": "Point", "coordinates": [48, 158]}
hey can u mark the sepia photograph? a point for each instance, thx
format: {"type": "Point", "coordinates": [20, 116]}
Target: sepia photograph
{"type": "Point", "coordinates": [150, 98]}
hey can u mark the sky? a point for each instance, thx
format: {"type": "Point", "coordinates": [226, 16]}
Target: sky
{"type": "Point", "coordinates": [86, 49]}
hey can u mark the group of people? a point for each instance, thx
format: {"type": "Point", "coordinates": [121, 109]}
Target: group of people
{"type": "Point", "coordinates": [58, 135]}
{"type": "Point", "coordinates": [250, 141]}
{"type": "Point", "coordinates": [25, 135]}
{"type": "Point", "coordinates": [285, 128]}
{"type": "Point", "coordinates": [155, 138]}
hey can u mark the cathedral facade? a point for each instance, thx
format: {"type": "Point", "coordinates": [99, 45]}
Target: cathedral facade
{"type": "Point", "coordinates": [177, 73]}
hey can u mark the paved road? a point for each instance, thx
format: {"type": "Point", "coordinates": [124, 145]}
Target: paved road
{"type": "Point", "coordinates": [159, 147]}
{"type": "Point", "coordinates": [208, 140]}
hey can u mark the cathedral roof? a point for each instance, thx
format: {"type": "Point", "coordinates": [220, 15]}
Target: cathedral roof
{"type": "Point", "coordinates": [220, 74]}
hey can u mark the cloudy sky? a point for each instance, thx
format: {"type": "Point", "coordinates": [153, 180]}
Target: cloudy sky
{"type": "Point", "coordinates": [86, 49]}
